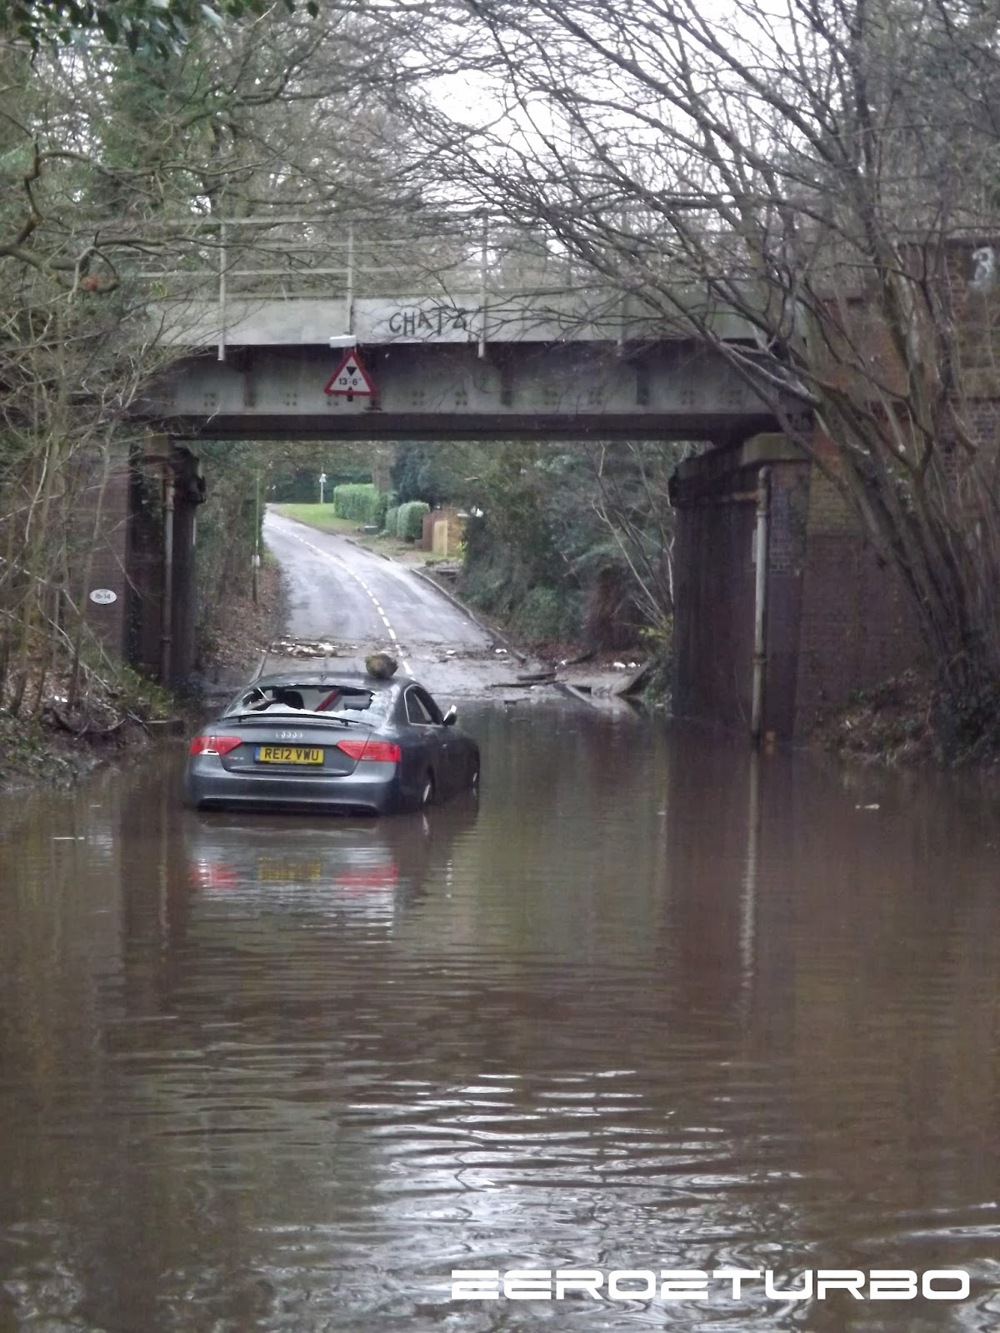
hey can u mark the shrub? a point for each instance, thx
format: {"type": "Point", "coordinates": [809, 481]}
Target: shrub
{"type": "Point", "coordinates": [410, 520]}
{"type": "Point", "coordinates": [361, 502]}
{"type": "Point", "coordinates": [545, 615]}
{"type": "Point", "coordinates": [390, 524]}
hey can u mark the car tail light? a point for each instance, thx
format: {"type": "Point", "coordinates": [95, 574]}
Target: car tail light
{"type": "Point", "coordinates": [378, 877]}
{"type": "Point", "coordinates": [214, 744]}
{"type": "Point", "coordinates": [383, 752]}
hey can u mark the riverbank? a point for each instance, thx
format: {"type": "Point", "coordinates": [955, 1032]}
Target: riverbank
{"type": "Point", "coordinates": [906, 722]}
{"type": "Point", "coordinates": [120, 714]}
{"type": "Point", "coordinates": [890, 725]}
{"type": "Point", "coordinates": [64, 741]}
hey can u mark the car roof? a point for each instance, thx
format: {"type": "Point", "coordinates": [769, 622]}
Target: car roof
{"type": "Point", "coordinates": [352, 679]}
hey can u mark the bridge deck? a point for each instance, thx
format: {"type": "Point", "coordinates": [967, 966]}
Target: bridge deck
{"type": "Point", "coordinates": [567, 390]}
{"type": "Point", "coordinates": [566, 360]}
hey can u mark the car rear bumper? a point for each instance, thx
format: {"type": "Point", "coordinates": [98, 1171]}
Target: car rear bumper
{"type": "Point", "coordinates": [372, 788]}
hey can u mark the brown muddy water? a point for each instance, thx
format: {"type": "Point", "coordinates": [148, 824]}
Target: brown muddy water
{"type": "Point", "coordinates": [648, 1009]}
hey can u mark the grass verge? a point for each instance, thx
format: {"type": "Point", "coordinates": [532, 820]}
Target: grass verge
{"type": "Point", "coordinates": [323, 518]}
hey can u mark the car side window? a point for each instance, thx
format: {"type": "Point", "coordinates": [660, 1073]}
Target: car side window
{"type": "Point", "coordinates": [431, 706]}
{"type": "Point", "coordinates": [417, 710]}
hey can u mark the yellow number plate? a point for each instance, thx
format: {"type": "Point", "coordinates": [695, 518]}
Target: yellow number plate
{"type": "Point", "coordinates": [285, 872]}
{"type": "Point", "coordinates": [287, 754]}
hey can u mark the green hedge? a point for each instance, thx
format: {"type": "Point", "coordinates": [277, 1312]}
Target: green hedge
{"type": "Point", "coordinates": [410, 520]}
{"type": "Point", "coordinates": [391, 520]}
{"type": "Point", "coordinates": [361, 502]}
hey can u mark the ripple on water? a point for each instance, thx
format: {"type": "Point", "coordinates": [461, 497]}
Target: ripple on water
{"type": "Point", "coordinates": [645, 1007]}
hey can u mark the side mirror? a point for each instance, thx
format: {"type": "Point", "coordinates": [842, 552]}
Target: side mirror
{"type": "Point", "coordinates": [450, 717]}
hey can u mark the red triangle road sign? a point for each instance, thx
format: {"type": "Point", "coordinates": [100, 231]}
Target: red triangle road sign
{"type": "Point", "coordinates": [350, 379]}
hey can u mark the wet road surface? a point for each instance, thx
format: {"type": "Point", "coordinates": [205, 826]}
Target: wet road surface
{"type": "Point", "coordinates": [647, 1006]}
{"type": "Point", "coordinates": [352, 602]}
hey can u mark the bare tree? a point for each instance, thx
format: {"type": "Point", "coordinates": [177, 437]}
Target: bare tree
{"type": "Point", "coordinates": [632, 503]}
{"type": "Point", "coordinates": [828, 172]}
{"type": "Point", "coordinates": [120, 172]}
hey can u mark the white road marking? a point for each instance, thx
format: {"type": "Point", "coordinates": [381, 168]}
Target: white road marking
{"type": "Point", "coordinates": [339, 560]}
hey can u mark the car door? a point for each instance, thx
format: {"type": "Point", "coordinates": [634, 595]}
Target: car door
{"type": "Point", "coordinates": [424, 716]}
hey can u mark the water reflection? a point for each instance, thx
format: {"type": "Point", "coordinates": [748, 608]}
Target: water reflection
{"type": "Point", "coordinates": [650, 1005]}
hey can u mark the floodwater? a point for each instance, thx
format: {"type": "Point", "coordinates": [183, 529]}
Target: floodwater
{"type": "Point", "coordinates": [650, 1007]}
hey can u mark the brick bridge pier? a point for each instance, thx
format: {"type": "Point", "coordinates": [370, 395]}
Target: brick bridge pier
{"type": "Point", "coordinates": [837, 619]}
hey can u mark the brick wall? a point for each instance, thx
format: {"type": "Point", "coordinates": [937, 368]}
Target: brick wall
{"type": "Point", "coordinates": [858, 626]}
{"type": "Point", "coordinates": [100, 535]}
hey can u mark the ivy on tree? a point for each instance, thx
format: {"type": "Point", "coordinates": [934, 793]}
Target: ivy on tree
{"type": "Point", "coordinates": [160, 26]}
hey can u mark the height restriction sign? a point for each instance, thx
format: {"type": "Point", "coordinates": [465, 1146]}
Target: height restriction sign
{"type": "Point", "coordinates": [350, 379]}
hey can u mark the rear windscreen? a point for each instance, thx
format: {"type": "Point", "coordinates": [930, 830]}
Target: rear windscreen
{"type": "Point", "coordinates": [351, 701]}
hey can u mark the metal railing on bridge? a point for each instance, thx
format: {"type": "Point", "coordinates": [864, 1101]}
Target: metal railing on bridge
{"type": "Point", "coordinates": [496, 271]}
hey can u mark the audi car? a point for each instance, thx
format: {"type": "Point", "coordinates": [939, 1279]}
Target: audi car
{"type": "Point", "coordinates": [352, 744]}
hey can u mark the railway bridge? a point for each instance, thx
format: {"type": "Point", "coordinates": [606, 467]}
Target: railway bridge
{"type": "Point", "coordinates": [781, 607]}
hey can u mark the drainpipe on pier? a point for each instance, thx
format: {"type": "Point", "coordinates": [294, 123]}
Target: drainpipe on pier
{"type": "Point", "coordinates": [256, 541]}
{"type": "Point", "coordinates": [223, 314]}
{"type": "Point", "coordinates": [760, 606]}
{"type": "Point", "coordinates": [166, 609]}
{"type": "Point", "coordinates": [484, 258]}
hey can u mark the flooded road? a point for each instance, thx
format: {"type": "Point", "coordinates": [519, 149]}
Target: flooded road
{"type": "Point", "coordinates": [346, 602]}
{"type": "Point", "coordinates": [647, 1007]}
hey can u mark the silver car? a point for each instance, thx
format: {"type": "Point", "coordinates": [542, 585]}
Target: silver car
{"type": "Point", "coordinates": [339, 742]}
